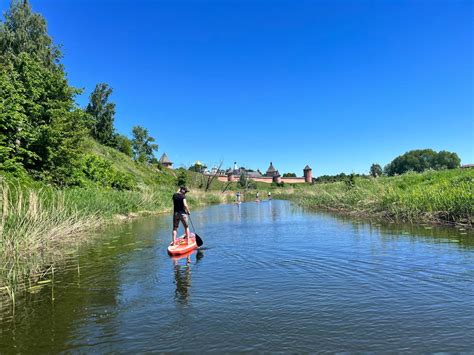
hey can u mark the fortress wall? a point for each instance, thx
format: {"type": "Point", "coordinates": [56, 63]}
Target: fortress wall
{"type": "Point", "coordinates": [268, 180]}
{"type": "Point", "coordinates": [293, 180]}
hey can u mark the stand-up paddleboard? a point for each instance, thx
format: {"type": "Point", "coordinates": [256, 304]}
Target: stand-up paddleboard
{"type": "Point", "coordinates": [183, 256]}
{"type": "Point", "coordinates": [181, 246]}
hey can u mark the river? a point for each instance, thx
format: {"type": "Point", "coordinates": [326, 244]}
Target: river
{"type": "Point", "coordinates": [271, 277]}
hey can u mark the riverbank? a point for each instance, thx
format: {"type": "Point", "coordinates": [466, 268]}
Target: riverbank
{"type": "Point", "coordinates": [438, 197]}
{"type": "Point", "coordinates": [39, 224]}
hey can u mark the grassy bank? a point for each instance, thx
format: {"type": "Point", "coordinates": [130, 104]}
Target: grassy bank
{"type": "Point", "coordinates": [435, 197]}
{"type": "Point", "coordinates": [38, 223]}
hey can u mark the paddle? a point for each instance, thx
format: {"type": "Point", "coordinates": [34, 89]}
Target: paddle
{"type": "Point", "coordinates": [199, 241]}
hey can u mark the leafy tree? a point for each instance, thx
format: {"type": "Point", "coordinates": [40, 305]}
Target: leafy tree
{"type": "Point", "coordinates": [447, 160]}
{"type": "Point", "coordinates": [25, 32]}
{"type": "Point", "coordinates": [376, 170]}
{"type": "Point", "coordinates": [198, 168]}
{"type": "Point", "coordinates": [123, 144]}
{"type": "Point", "coordinates": [182, 178]}
{"type": "Point", "coordinates": [350, 181]}
{"type": "Point", "coordinates": [289, 175]}
{"type": "Point", "coordinates": [243, 181]}
{"type": "Point", "coordinates": [142, 145]}
{"type": "Point", "coordinates": [102, 113]}
{"type": "Point", "coordinates": [421, 160]}
{"type": "Point", "coordinates": [40, 126]}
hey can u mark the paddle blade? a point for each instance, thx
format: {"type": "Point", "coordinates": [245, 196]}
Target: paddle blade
{"type": "Point", "coordinates": [199, 241]}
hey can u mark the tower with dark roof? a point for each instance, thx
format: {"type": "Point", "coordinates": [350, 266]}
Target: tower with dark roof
{"type": "Point", "coordinates": [271, 171]}
{"type": "Point", "coordinates": [165, 161]}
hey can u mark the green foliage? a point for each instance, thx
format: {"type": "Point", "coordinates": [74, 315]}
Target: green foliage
{"type": "Point", "coordinates": [143, 145]}
{"type": "Point", "coordinates": [376, 170]}
{"type": "Point", "coordinates": [243, 181]}
{"type": "Point", "coordinates": [182, 179]}
{"type": "Point", "coordinates": [198, 168]}
{"type": "Point", "coordinates": [41, 129]}
{"type": "Point", "coordinates": [289, 175]}
{"type": "Point", "coordinates": [123, 144]}
{"type": "Point", "coordinates": [100, 171]}
{"type": "Point", "coordinates": [23, 31]}
{"type": "Point", "coordinates": [335, 178]}
{"type": "Point", "coordinates": [421, 160]}
{"type": "Point", "coordinates": [350, 181]}
{"type": "Point", "coordinates": [102, 113]}
{"type": "Point", "coordinates": [436, 196]}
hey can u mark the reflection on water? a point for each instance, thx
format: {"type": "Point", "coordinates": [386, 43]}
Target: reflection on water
{"type": "Point", "coordinates": [275, 278]}
{"type": "Point", "coordinates": [182, 274]}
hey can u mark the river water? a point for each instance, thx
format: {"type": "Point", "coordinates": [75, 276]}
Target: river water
{"type": "Point", "coordinates": [271, 277]}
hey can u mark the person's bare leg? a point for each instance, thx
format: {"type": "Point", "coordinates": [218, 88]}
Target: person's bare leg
{"type": "Point", "coordinates": [186, 231]}
{"type": "Point", "coordinates": [174, 235]}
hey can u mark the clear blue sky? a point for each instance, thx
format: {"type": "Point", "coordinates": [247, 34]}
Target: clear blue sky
{"type": "Point", "coordinates": [338, 85]}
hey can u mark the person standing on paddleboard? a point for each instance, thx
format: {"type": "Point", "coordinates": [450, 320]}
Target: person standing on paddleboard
{"type": "Point", "coordinates": [180, 212]}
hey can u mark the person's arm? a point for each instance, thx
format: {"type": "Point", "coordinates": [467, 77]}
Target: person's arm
{"type": "Point", "coordinates": [186, 208]}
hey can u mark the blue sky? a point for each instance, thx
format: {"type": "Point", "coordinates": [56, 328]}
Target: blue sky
{"type": "Point", "coordinates": [338, 85]}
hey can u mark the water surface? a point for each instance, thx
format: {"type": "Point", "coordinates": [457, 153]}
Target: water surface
{"type": "Point", "coordinates": [272, 277]}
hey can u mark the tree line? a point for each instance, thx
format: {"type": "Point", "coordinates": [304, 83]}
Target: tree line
{"type": "Point", "coordinates": [42, 129]}
{"type": "Point", "coordinates": [415, 160]}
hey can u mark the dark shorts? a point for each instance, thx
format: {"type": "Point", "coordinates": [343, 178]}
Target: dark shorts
{"type": "Point", "coordinates": [180, 217]}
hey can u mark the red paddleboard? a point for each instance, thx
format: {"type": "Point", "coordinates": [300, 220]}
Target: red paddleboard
{"type": "Point", "coordinates": [181, 246]}
{"type": "Point", "coordinates": [182, 256]}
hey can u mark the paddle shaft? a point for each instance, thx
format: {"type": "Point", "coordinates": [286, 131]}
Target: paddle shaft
{"type": "Point", "coordinates": [199, 241]}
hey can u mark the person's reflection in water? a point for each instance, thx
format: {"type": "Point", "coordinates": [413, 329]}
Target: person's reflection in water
{"type": "Point", "coordinates": [182, 276]}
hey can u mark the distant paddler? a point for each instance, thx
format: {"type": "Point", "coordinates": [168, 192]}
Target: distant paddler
{"type": "Point", "coordinates": [180, 212]}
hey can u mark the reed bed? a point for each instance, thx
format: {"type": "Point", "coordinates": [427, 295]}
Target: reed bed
{"type": "Point", "coordinates": [436, 196]}
{"type": "Point", "coordinates": [39, 223]}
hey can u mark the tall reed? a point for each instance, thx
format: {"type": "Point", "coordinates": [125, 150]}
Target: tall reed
{"type": "Point", "coordinates": [434, 196]}
{"type": "Point", "coordinates": [37, 224]}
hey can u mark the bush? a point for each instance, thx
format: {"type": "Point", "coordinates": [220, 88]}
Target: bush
{"type": "Point", "coordinates": [100, 171]}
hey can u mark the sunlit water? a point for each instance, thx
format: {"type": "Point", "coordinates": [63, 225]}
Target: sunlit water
{"type": "Point", "coordinates": [271, 277]}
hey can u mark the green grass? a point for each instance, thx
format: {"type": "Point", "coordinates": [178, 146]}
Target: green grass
{"type": "Point", "coordinates": [435, 196]}
{"type": "Point", "coordinates": [39, 223]}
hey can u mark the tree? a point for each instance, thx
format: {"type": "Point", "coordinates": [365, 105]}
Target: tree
{"type": "Point", "coordinates": [142, 145]}
{"type": "Point", "coordinates": [25, 32]}
{"type": "Point", "coordinates": [40, 127]}
{"type": "Point", "coordinates": [123, 144]}
{"type": "Point", "coordinates": [376, 170]}
{"type": "Point", "coordinates": [243, 181]}
{"type": "Point", "coordinates": [447, 160]}
{"type": "Point", "coordinates": [198, 168]}
{"type": "Point", "coordinates": [421, 160]}
{"type": "Point", "coordinates": [102, 113]}
{"type": "Point", "coordinates": [182, 178]}
{"type": "Point", "coordinates": [289, 175]}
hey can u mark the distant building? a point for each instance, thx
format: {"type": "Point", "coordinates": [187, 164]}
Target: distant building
{"type": "Point", "coordinates": [165, 161]}
{"type": "Point", "coordinates": [271, 175]}
{"type": "Point", "coordinates": [308, 174]}
{"type": "Point", "coordinates": [271, 171]}
{"type": "Point", "coordinates": [467, 166]}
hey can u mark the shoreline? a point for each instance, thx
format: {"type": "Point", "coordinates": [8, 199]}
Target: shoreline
{"type": "Point", "coordinates": [37, 236]}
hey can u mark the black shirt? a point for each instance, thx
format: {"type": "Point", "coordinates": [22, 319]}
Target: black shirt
{"type": "Point", "coordinates": [178, 202]}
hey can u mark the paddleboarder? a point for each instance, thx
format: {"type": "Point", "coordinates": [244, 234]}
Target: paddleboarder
{"type": "Point", "coordinates": [180, 212]}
